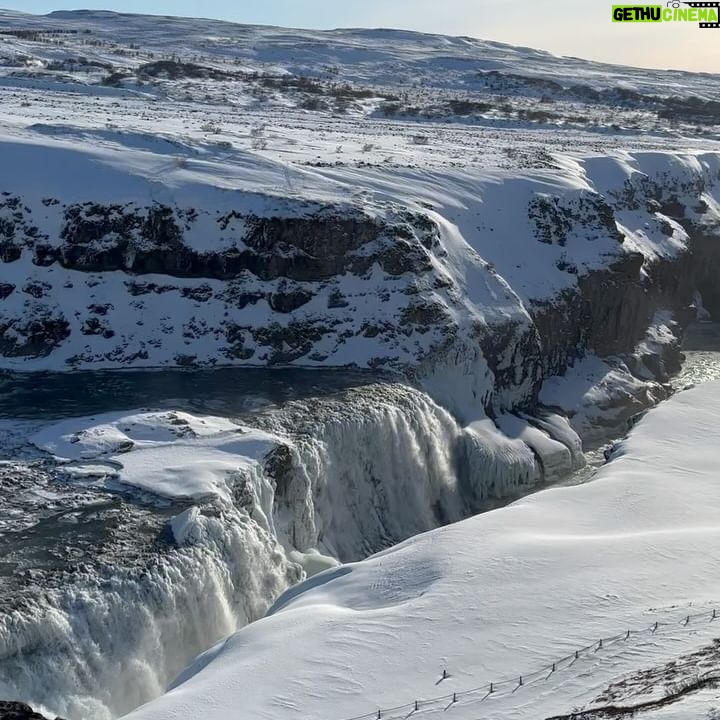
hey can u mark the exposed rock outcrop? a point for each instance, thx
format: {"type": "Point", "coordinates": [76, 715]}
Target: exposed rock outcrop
{"type": "Point", "coordinates": [19, 711]}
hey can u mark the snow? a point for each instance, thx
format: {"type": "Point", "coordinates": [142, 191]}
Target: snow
{"type": "Point", "coordinates": [296, 488]}
{"type": "Point", "coordinates": [234, 144]}
{"type": "Point", "coordinates": [185, 526]}
{"type": "Point", "coordinates": [380, 56]}
{"type": "Point", "coordinates": [366, 470]}
{"type": "Point", "coordinates": [172, 454]}
{"type": "Point", "coordinates": [600, 396]}
{"type": "Point", "coordinates": [557, 459]}
{"type": "Point", "coordinates": [312, 562]}
{"type": "Point", "coordinates": [497, 596]}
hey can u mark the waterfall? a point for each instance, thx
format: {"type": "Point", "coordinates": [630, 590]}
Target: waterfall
{"type": "Point", "coordinates": [100, 648]}
{"type": "Point", "coordinates": [372, 467]}
{"type": "Point", "coordinates": [349, 475]}
{"type": "Point", "coordinates": [382, 463]}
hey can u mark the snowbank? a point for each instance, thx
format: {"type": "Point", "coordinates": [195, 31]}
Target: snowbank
{"type": "Point", "coordinates": [172, 454]}
{"type": "Point", "coordinates": [600, 397]}
{"type": "Point", "coordinates": [496, 597]}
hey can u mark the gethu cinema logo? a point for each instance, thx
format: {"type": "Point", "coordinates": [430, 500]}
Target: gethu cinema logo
{"type": "Point", "coordinates": [705, 13]}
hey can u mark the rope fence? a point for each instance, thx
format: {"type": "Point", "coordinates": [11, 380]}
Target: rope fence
{"type": "Point", "coordinates": [509, 686]}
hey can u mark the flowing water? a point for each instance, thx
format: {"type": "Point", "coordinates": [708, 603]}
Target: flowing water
{"type": "Point", "coordinates": [100, 606]}
{"type": "Point", "coordinates": [701, 348]}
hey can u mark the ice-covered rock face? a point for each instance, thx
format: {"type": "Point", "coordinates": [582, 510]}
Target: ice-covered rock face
{"type": "Point", "coordinates": [127, 286]}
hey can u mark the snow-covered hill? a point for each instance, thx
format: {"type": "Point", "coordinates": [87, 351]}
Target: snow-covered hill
{"type": "Point", "coordinates": [510, 236]}
{"type": "Point", "coordinates": [504, 595]}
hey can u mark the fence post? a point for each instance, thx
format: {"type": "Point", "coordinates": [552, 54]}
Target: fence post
{"type": "Point", "coordinates": [492, 688]}
{"type": "Point", "coordinates": [714, 615]}
{"type": "Point", "coordinates": [687, 620]}
{"type": "Point", "coordinates": [655, 626]}
{"type": "Point", "coordinates": [627, 637]}
{"type": "Point", "coordinates": [379, 715]}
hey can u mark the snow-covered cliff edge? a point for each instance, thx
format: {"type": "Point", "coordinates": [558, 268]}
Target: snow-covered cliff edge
{"type": "Point", "coordinates": [628, 558]}
{"type": "Point", "coordinates": [485, 281]}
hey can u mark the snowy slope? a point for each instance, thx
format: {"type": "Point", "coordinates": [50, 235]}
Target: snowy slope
{"type": "Point", "coordinates": [502, 595]}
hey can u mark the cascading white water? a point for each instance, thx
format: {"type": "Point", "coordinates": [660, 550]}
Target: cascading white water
{"type": "Point", "coordinates": [97, 650]}
{"type": "Point", "coordinates": [374, 467]}
{"type": "Point", "coordinates": [385, 462]}
{"type": "Point", "coordinates": [358, 472]}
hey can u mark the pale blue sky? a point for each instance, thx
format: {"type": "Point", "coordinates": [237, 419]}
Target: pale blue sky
{"type": "Point", "coordinates": [567, 27]}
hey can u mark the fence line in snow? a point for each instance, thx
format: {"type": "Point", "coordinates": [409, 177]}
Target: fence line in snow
{"type": "Point", "coordinates": [512, 685]}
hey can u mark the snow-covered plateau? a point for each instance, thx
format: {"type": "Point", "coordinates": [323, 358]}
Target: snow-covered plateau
{"type": "Point", "coordinates": [276, 300]}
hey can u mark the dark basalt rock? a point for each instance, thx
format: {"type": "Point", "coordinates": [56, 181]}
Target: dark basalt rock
{"type": "Point", "coordinates": [9, 252]}
{"type": "Point", "coordinates": [34, 338]}
{"type": "Point", "coordinates": [286, 302]}
{"type": "Point", "coordinates": [93, 326]}
{"type": "Point", "coordinates": [150, 240]}
{"type": "Point", "coordinates": [103, 238]}
{"type": "Point", "coordinates": [605, 311]}
{"type": "Point", "coordinates": [404, 256]}
{"type": "Point", "coordinates": [609, 311]}
{"type": "Point", "coordinates": [424, 314]}
{"type": "Point", "coordinates": [236, 337]}
{"type": "Point", "coordinates": [98, 309]}
{"type": "Point", "coordinates": [45, 255]}
{"type": "Point", "coordinates": [140, 288]}
{"type": "Point", "coordinates": [555, 218]}
{"type": "Point", "coordinates": [201, 293]}
{"type": "Point", "coordinates": [37, 290]}
{"type": "Point", "coordinates": [19, 711]}
{"type": "Point", "coordinates": [289, 343]}
{"type": "Point", "coordinates": [337, 300]}
{"type": "Point", "coordinates": [706, 253]}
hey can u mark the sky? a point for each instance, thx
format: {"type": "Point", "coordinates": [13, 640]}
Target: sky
{"type": "Point", "coordinates": [580, 28]}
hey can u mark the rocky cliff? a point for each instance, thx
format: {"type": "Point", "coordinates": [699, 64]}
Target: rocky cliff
{"type": "Point", "coordinates": [478, 293]}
